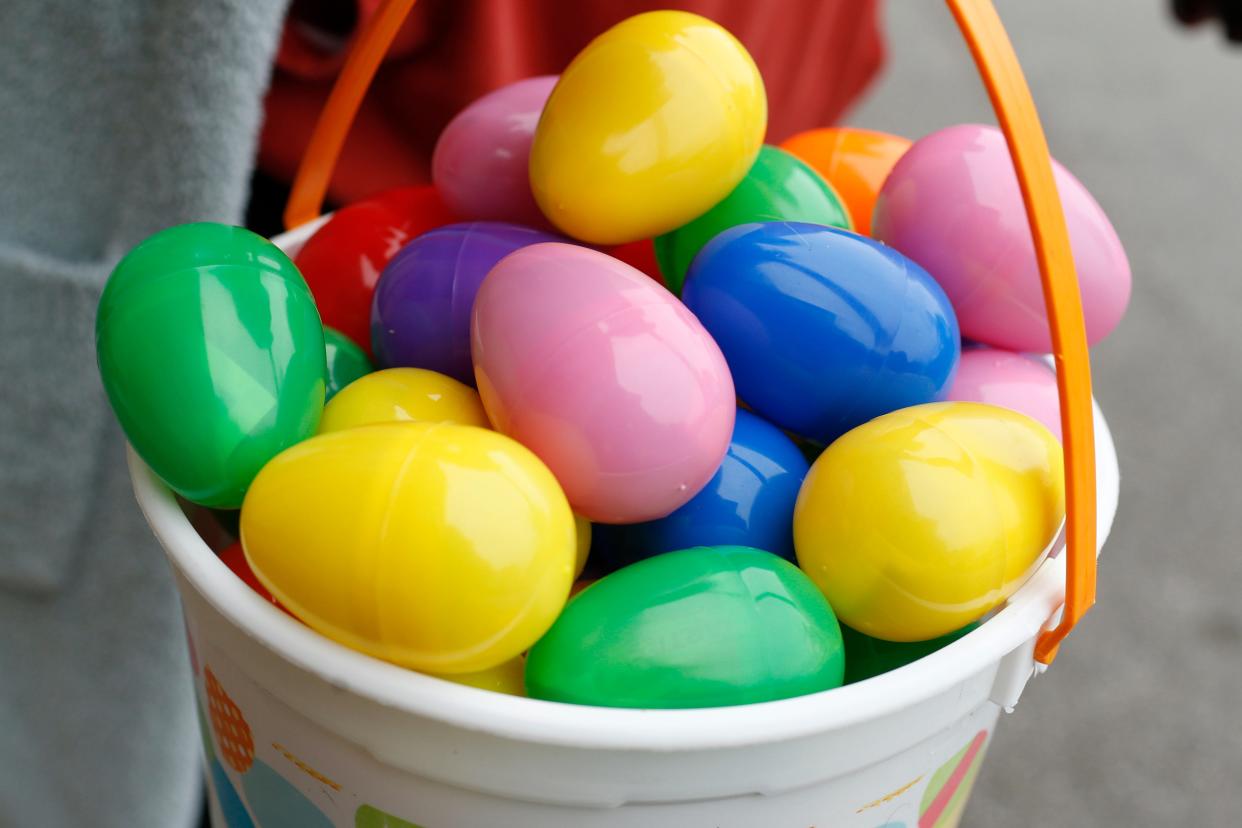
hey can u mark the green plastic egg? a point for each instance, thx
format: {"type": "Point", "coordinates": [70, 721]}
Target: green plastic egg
{"type": "Point", "coordinates": [346, 361]}
{"type": "Point", "coordinates": [212, 354]}
{"type": "Point", "coordinates": [866, 657]}
{"type": "Point", "coordinates": [704, 627]}
{"type": "Point", "coordinates": [779, 187]}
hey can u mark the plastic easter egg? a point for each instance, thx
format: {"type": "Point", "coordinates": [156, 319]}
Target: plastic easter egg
{"type": "Point", "coordinates": [810, 449]}
{"type": "Point", "coordinates": [605, 376]}
{"type": "Point", "coordinates": [652, 123]}
{"type": "Point", "coordinates": [343, 260]}
{"type": "Point", "coordinates": [212, 355]}
{"type": "Point", "coordinates": [779, 187]}
{"type": "Point", "coordinates": [507, 678]}
{"type": "Point", "coordinates": [867, 657]}
{"type": "Point", "coordinates": [235, 559]}
{"type": "Point", "coordinates": [748, 502]}
{"type": "Point", "coordinates": [639, 255]}
{"type": "Point", "coordinates": [441, 547]}
{"type": "Point", "coordinates": [706, 627]}
{"type": "Point", "coordinates": [481, 164]}
{"type": "Point", "coordinates": [1010, 380]}
{"type": "Point", "coordinates": [582, 548]}
{"type": "Point", "coordinates": [823, 329]}
{"type": "Point", "coordinates": [421, 312]}
{"type": "Point", "coordinates": [919, 522]}
{"type": "Point", "coordinates": [422, 205]}
{"type": "Point", "coordinates": [346, 361]}
{"type": "Point", "coordinates": [368, 816]}
{"type": "Point", "coordinates": [403, 395]}
{"type": "Point", "coordinates": [216, 527]}
{"type": "Point", "coordinates": [854, 161]}
{"type": "Point", "coordinates": [226, 526]}
{"type": "Point", "coordinates": [953, 205]}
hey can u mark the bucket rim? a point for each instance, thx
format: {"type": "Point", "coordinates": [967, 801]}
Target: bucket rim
{"type": "Point", "coordinates": [405, 691]}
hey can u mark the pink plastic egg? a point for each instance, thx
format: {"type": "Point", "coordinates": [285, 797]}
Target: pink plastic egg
{"type": "Point", "coordinates": [481, 161]}
{"type": "Point", "coordinates": [1017, 381]}
{"type": "Point", "coordinates": [606, 376]}
{"type": "Point", "coordinates": [952, 204]}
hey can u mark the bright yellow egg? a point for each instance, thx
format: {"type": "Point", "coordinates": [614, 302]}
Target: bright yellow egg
{"type": "Point", "coordinates": [441, 547]}
{"type": "Point", "coordinates": [508, 678]}
{"type": "Point", "coordinates": [921, 521]}
{"type": "Point", "coordinates": [655, 121]}
{"type": "Point", "coordinates": [582, 528]}
{"type": "Point", "coordinates": [403, 394]}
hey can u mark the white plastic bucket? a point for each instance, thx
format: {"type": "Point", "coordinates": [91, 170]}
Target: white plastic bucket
{"type": "Point", "coordinates": [301, 732]}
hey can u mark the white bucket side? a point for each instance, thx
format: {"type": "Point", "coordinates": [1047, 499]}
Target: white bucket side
{"type": "Point", "coordinates": [334, 731]}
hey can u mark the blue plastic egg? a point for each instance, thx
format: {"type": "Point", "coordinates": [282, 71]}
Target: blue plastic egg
{"type": "Point", "coordinates": [823, 329]}
{"type": "Point", "coordinates": [748, 502]}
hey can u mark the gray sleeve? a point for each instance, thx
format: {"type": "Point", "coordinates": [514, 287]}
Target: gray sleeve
{"type": "Point", "coordinates": [120, 117]}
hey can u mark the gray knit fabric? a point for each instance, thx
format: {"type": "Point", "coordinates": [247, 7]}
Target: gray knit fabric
{"type": "Point", "coordinates": [119, 117]}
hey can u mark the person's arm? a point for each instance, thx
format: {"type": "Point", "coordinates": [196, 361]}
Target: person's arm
{"type": "Point", "coordinates": [120, 117]}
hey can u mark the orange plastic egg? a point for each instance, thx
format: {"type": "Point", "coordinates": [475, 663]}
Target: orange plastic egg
{"type": "Point", "coordinates": [854, 161]}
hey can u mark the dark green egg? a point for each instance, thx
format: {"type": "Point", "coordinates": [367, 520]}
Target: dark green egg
{"type": "Point", "coordinates": [866, 657]}
{"type": "Point", "coordinates": [346, 361]}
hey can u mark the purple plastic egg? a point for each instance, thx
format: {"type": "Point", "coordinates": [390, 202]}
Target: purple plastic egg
{"type": "Point", "coordinates": [481, 161]}
{"type": "Point", "coordinates": [1016, 381]}
{"type": "Point", "coordinates": [420, 316]}
{"type": "Point", "coordinates": [604, 375]}
{"type": "Point", "coordinates": [953, 205]}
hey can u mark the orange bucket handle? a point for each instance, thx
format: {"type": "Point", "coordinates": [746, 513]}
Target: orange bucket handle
{"type": "Point", "coordinates": [310, 184]}
{"type": "Point", "coordinates": [1015, 110]}
{"type": "Point", "coordinates": [1011, 99]}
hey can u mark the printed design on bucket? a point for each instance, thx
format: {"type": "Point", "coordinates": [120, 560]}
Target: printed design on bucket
{"type": "Point", "coordinates": [253, 776]}
{"type": "Point", "coordinates": [275, 803]}
{"type": "Point", "coordinates": [305, 768]}
{"type": "Point", "coordinates": [232, 732]}
{"type": "Point", "coordinates": [231, 806]}
{"type": "Point", "coordinates": [890, 797]}
{"type": "Point", "coordinates": [949, 788]}
{"type": "Point", "coordinates": [368, 816]}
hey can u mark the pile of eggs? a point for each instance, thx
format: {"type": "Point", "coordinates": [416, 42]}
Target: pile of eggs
{"type": "Point", "coordinates": [714, 389]}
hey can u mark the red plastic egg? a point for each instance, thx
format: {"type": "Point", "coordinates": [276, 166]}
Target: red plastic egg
{"type": "Point", "coordinates": [343, 260]}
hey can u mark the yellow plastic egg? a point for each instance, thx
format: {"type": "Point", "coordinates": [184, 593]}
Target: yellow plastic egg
{"type": "Point", "coordinates": [655, 121]}
{"type": "Point", "coordinates": [403, 394]}
{"type": "Point", "coordinates": [921, 521]}
{"type": "Point", "coordinates": [441, 547]}
{"type": "Point", "coordinates": [582, 528]}
{"type": "Point", "coordinates": [508, 678]}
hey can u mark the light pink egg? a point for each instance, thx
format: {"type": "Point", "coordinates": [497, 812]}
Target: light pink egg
{"type": "Point", "coordinates": [953, 205]}
{"type": "Point", "coordinates": [481, 161]}
{"type": "Point", "coordinates": [606, 376]}
{"type": "Point", "coordinates": [1017, 381]}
